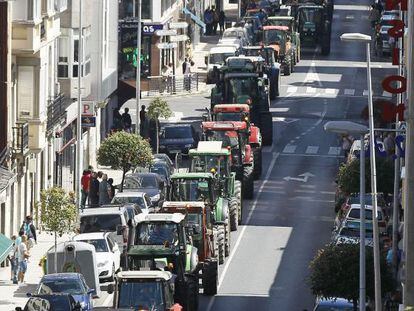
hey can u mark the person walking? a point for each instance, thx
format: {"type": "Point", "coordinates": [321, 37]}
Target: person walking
{"type": "Point", "coordinates": [104, 191]}
{"type": "Point", "coordinates": [85, 180]}
{"type": "Point", "coordinates": [374, 16]}
{"type": "Point", "coordinates": [208, 20]}
{"type": "Point", "coordinates": [187, 74]}
{"type": "Point", "coordinates": [30, 231]}
{"type": "Point", "coordinates": [117, 120]}
{"type": "Point", "coordinates": [94, 190]}
{"type": "Point", "coordinates": [112, 188]}
{"type": "Point", "coordinates": [126, 120]}
{"type": "Point", "coordinates": [222, 21]}
{"type": "Point", "coordinates": [215, 20]}
{"type": "Point", "coordinates": [24, 255]}
{"type": "Point", "coordinates": [13, 261]}
{"type": "Point", "coordinates": [164, 79]}
{"type": "Point", "coordinates": [143, 121]}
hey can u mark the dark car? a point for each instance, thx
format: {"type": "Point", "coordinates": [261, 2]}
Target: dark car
{"type": "Point", "coordinates": [52, 302]}
{"type": "Point", "coordinates": [178, 139]}
{"type": "Point", "coordinates": [163, 169]}
{"type": "Point", "coordinates": [164, 158]}
{"type": "Point", "coordinates": [150, 183]}
{"type": "Point", "coordinates": [72, 284]}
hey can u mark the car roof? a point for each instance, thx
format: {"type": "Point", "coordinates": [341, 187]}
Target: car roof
{"type": "Point", "coordinates": [102, 210]}
{"type": "Point", "coordinates": [358, 206]}
{"type": "Point", "coordinates": [183, 204]}
{"type": "Point", "coordinates": [130, 193]}
{"type": "Point", "coordinates": [142, 174]}
{"type": "Point", "coordinates": [335, 302]}
{"type": "Point", "coordinates": [177, 125]}
{"type": "Point", "coordinates": [91, 236]}
{"type": "Point", "coordinates": [153, 274]}
{"type": "Point", "coordinates": [61, 276]}
{"type": "Point", "coordinates": [192, 175]}
{"type": "Point", "coordinates": [175, 217]}
{"type": "Point", "coordinates": [223, 49]}
{"type": "Point", "coordinates": [272, 27]}
{"type": "Point", "coordinates": [280, 18]}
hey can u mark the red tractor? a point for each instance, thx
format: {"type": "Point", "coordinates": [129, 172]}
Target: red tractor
{"type": "Point", "coordinates": [241, 112]}
{"type": "Point", "coordinates": [235, 136]}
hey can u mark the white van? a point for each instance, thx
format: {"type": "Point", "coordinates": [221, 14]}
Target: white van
{"type": "Point", "coordinates": [216, 58]}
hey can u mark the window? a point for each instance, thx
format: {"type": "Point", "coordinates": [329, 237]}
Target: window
{"type": "Point", "coordinates": [86, 53]}
{"type": "Point", "coordinates": [75, 65]}
{"type": "Point", "coordinates": [105, 34]}
{"type": "Point", "coordinates": [145, 9]}
{"type": "Point", "coordinates": [63, 66]}
{"type": "Point", "coordinates": [165, 5]}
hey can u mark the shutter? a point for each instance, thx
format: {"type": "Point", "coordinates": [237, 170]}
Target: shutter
{"type": "Point", "coordinates": [25, 94]}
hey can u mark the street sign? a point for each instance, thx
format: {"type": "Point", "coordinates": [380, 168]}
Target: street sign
{"type": "Point", "coordinates": [177, 25]}
{"type": "Point", "coordinates": [150, 29]}
{"type": "Point", "coordinates": [88, 121]}
{"type": "Point", "coordinates": [179, 38]}
{"type": "Point", "coordinates": [88, 109]}
{"type": "Point", "coordinates": [167, 46]}
{"type": "Point", "coordinates": [166, 32]}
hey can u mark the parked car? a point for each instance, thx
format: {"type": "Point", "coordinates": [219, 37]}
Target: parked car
{"type": "Point", "coordinates": [67, 283]}
{"type": "Point", "coordinates": [237, 33]}
{"type": "Point", "coordinates": [349, 233]}
{"type": "Point", "coordinates": [51, 302]}
{"type": "Point", "coordinates": [354, 211]}
{"type": "Point", "coordinates": [178, 139]}
{"type": "Point", "coordinates": [139, 198]}
{"type": "Point", "coordinates": [150, 183]}
{"type": "Point", "coordinates": [333, 304]}
{"type": "Point", "coordinates": [108, 255]}
{"type": "Point", "coordinates": [165, 158]}
{"type": "Point", "coordinates": [163, 169]}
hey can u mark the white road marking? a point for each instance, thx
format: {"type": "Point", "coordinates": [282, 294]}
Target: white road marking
{"type": "Point", "coordinates": [107, 300]}
{"type": "Point", "coordinates": [349, 92]}
{"type": "Point", "coordinates": [350, 17]}
{"type": "Point", "coordinates": [386, 94]}
{"type": "Point", "coordinates": [279, 109]}
{"type": "Point", "coordinates": [292, 89]}
{"type": "Point", "coordinates": [334, 150]}
{"type": "Point", "coordinates": [312, 149]}
{"type": "Point", "coordinates": [331, 91]}
{"type": "Point", "coordinates": [289, 149]}
{"type": "Point", "coordinates": [365, 93]}
{"type": "Point", "coordinates": [310, 89]}
{"type": "Point", "coordinates": [310, 155]}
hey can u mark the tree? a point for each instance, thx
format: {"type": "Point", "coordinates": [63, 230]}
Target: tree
{"type": "Point", "coordinates": [348, 176]}
{"type": "Point", "coordinates": [158, 108]}
{"type": "Point", "coordinates": [57, 213]}
{"type": "Point", "coordinates": [124, 151]}
{"type": "Point", "coordinates": [335, 273]}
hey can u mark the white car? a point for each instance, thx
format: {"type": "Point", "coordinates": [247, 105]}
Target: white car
{"type": "Point", "coordinates": [236, 33]}
{"type": "Point", "coordinates": [353, 213]}
{"type": "Point", "coordinates": [108, 255]}
{"type": "Point", "coordinates": [136, 197]}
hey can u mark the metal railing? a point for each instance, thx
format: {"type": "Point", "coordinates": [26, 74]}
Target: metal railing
{"type": "Point", "coordinates": [158, 85]}
{"type": "Point", "coordinates": [56, 110]}
{"type": "Point", "coordinates": [20, 137]}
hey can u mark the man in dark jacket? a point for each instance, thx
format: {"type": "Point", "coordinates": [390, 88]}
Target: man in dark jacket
{"type": "Point", "coordinates": [126, 120]}
{"type": "Point", "coordinates": [29, 229]}
{"type": "Point", "coordinates": [94, 190]}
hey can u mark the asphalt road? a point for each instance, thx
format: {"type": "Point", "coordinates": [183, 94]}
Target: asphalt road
{"type": "Point", "coordinates": [292, 213]}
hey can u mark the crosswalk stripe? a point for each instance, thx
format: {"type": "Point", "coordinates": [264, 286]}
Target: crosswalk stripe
{"type": "Point", "coordinates": [289, 149]}
{"type": "Point", "coordinates": [279, 109]}
{"type": "Point", "coordinates": [349, 92]}
{"type": "Point", "coordinates": [365, 93]}
{"type": "Point", "coordinates": [386, 94]}
{"type": "Point", "coordinates": [334, 150]}
{"type": "Point", "coordinates": [312, 149]}
{"type": "Point", "coordinates": [292, 89]}
{"type": "Point", "coordinates": [331, 91]}
{"type": "Point", "coordinates": [310, 89]}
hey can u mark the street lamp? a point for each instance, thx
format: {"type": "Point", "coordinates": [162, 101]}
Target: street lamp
{"type": "Point", "coordinates": [347, 128]}
{"type": "Point", "coordinates": [359, 37]}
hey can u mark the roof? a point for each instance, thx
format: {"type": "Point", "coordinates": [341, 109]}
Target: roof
{"type": "Point", "coordinates": [160, 217]}
{"type": "Point", "coordinates": [183, 204]}
{"type": "Point", "coordinates": [60, 276]}
{"type": "Point", "coordinates": [236, 107]}
{"type": "Point", "coordinates": [223, 49]}
{"type": "Point", "coordinates": [240, 75]}
{"type": "Point", "coordinates": [90, 236]}
{"type": "Point", "coordinates": [129, 193]}
{"type": "Point", "coordinates": [358, 206]}
{"type": "Point", "coordinates": [283, 28]}
{"type": "Point", "coordinates": [117, 209]}
{"type": "Point", "coordinates": [191, 175]}
{"type": "Point", "coordinates": [210, 148]}
{"type": "Point", "coordinates": [280, 18]}
{"type": "Point", "coordinates": [6, 178]}
{"type": "Point", "coordinates": [224, 125]}
{"type": "Point", "coordinates": [153, 274]}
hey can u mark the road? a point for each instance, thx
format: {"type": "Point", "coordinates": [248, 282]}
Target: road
{"type": "Point", "coordinates": [292, 214]}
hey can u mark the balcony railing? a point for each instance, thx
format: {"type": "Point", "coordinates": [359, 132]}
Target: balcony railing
{"type": "Point", "coordinates": [20, 137]}
{"type": "Point", "coordinates": [56, 110]}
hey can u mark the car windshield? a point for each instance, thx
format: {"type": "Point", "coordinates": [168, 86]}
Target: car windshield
{"type": "Point", "coordinates": [126, 200]}
{"type": "Point", "coordinates": [193, 218]}
{"type": "Point", "coordinates": [190, 190]}
{"type": "Point", "coordinates": [309, 15]}
{"type": "Point", "coordinates": [229, 138]}
{"type": "Point", "coordinates": [157, 233]}
{"type": "Point", "coordinates": [177, 132]}
{"type": "Point", "coordinates": [231, 34]}
{"type": "Point", "coordinates": [228, 116]}
{"type": "Point", "coordinates": [141, 296]}
{"type": "Point", "coordinates": [205, 163]}
{"type": "Point", "coordinates": [140, 181]}
{"type": "Point", "coordinates": [355, 213]}
{"type": "Point", "coordinates": [100, 245]}
{"type": "Point", "coordinates": [219, 58]}
{"type": "Point", "coordinates": [279, 22]}
{"type": "Point", "coordinates": [353, 232]}
{"type": "Point", "coordinates": [273, 36]}
{"type": "Point", "coordinates": [355, 199]}
{"type": "Point", "coordinates": [160, 170]}
{"type": "Point", "coordinates": [100, 223]}
{"type": "Point", "coordinates": [65, 286]}
{"type": "Point", "coordinates": [241, 86]}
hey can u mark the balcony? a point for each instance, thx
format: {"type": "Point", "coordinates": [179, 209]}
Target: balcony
{"type": "Point", "coordinates": [56, 111]}
{"type": "Point", "coordinates": [20, 144]}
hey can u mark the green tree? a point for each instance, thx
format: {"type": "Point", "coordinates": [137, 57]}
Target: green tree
{"type": "Point", "coordinates": [124, 151]}
{"type": "Point", "coordinates": [57, 212]}
{"type": "Point", "coordinates": [334, 272]}
{"type": "Point", "coordinates": [158, 108]}
{"type": "Point", "coordinates": [348, 176]}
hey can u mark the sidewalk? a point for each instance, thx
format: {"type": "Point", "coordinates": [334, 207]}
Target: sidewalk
{"type": "Point", "coordinates": [12, 295]}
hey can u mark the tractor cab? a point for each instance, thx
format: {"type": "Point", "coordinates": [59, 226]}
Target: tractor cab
{"type": "Point", "coordinates": [201, 187]}
{"type": "Point", "coordinates": [278, 38]}
{"type": "Point", "coordinates": [231, 112]}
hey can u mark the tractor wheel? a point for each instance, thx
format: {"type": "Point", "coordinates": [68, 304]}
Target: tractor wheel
{"type": "Point", "coordinates": [298, 55]}
{"type": "Point", "coordinates": [186, 293]}
{"type": "Point", "coordinates": [288, 68]}
{"type": "Point", "coordinates": [266, 128]}
{"type": "Point", "coordinates": [221, 240]}
{"type": "Point", "coordinates": [248, 184]}
{"type": "Point", "coordinates": [215, 243]}
{"type": "Point", "coordinates": [257, 167]}
{"type": "Point", "coordinates": [210, 278]}
{"type": "Point", "coordinates": [234, 212]}
{"type": "Point", "coordinates": [227, 244]}
{"type": "Point", "coordinates": [292, 63]}
{"type": "Point", "coordinates": [239, 196]}
{"type": "Point", "coordinates": [273, 89]}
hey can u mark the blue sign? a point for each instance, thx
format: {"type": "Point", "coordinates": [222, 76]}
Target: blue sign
{"type": "Point", "coordinates": [88, 121]}
{"type": "Point", "coordinates": [399, 145]}
{"type": "Point", "coordinates": [149, 30]}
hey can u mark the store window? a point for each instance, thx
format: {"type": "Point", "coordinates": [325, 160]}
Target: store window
{"type": "Point", "coordinates": [63, 63]}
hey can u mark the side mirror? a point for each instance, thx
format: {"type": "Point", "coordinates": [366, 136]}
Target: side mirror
{"type": "Point", "coordinates": [206, 59]}
{"type": "Point", "coordinates": [91, 291]}
{"type": "Point", "coordinates": [119, 229]}
{"type": "Point", "coordinates": [28, 294]}
{"type": "Point", "coordinates": [130, 223]}
{"type": "Point", "coordinates": [110, 289]}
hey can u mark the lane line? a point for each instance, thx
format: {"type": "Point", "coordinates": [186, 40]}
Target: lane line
{"type": "Point", "coordinates": [334, 150]}
{"type": "Point", "coordinates": [292, 89]}
{"type": "Point", "coordinates": [249, 217]}
{"type": "Point", "coordinates": [349, 92]}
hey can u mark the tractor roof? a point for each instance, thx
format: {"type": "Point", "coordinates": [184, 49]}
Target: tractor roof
{"type": "Point", "coordinates": [252, 47]}
{"type": "Point", "coordinates": [209, 148]}
{"type": "Point", "coordinates": [176, 217]}
{"type": "Point", "coordinates": [191, 175]}
{"type": "Point", "coordinates": [280, 18]}
{"type": "Point", "coordinates": [241, 75]}
{"type": "Point", "coordinates": [224, 125]}
{"type": "Point", "coordinates": [231, 108]}
{"type": "Point", "coordinates": [222, 49]}
{"type": "Point", "coordinates": [148, 275]}
{"type": "Point", "coordinates": [311, 6]}
{"type": "Point", "coordinates": [283, 28]}
{"type": "Point", "coordinates": [183, 204]}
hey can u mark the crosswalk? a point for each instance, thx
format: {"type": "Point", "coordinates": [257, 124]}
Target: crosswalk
{"type": "Point", "coordinates": [332, 92]}
{"type": "Point", "coordinates": [312, 150]}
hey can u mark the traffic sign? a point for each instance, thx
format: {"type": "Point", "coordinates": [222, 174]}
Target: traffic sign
{"type": "Point", "coordinates": [88, 121]}
{"type": "Point", "coordinates": [177, 25]}
{"type": "Point", "coordinates": [166, 32]}
{"type": "Point", "coordinates": [167, 46]}
{"type": "Point", "coordinates": [88, 108]}
{"type": "Point", "coordinates": [179, 38]}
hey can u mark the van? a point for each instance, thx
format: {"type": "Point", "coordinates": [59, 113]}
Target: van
{"type": "Point", "coordinates": [217, 57]}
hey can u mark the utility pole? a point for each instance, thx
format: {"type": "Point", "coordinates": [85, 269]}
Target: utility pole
{"type": "Point", "coordinates": [138, 78]}
{"type": "Point", "coordinates": [408, 293]}
{"type": "Point", "coordinates": [79, 147]}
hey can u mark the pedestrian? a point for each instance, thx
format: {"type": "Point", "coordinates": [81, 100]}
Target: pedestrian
{"type": "Point", "coordinates": [208, 20]}
{"type": "Point", "coordinates": [374, 15]}
{"type": "Point", "coordinates": [142, 121]}
{"type": "Point", "coordinates": [215, 21]}
{"type": "Point", "coordinates": [85, 180]}
{"type": "Point", "coordinates": [30, 231]}
{"type": "Point", "coordinates": [112, 188]}
{"type": "Point", "coordinates": [187, 74]}
{"type": "Point", "coordinates": [23, 258]}
{"type": "Point", "coordinates": [222, 21]}
{"type": "Point", "coordinates": [94, 190]}
{"type": "Point", "coordinates": [13, 261]}
{"type": "Point", "coordinates": [104, 191]}
{"type": "Point", "coordinates": [389, 144]}
{"type": "Point", "coordinates": [164, 78]}
{"type": "Point", "coordinates": [117, 120]}
{"type": "Point", "coordinates": [126, 120]}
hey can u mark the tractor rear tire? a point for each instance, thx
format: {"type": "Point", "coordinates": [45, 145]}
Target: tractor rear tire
{"type": "Point", "coordinates": [248, 182]}
{"type": "Point", "coordinates": [288, 68]}
{"type": "Point", "coordinates": [187, 291]}
{"type": "Point", "coordinates": [221, 240]}
{"type": "Point", "coordinates": [266, 128]}
{"type": "Point", "coordinates": [239, 196]}
{"type": "Point", "coordinates": [257, 167]}
{"type": "Point", "coordinates": [210, 278]}
{"type": "Point", "coordinates": [234, 212]}
{"type": "Point", "coordinates": [227, 244]}
{"type": "Point", "coordinates": [274, 88]}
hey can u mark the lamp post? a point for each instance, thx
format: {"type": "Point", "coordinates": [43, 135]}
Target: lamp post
{"type": "Point", "coordinates": [138, 78]}
{"type": "Point", "coordinates": [79, 145]}
{"type": "Point", "coordinates": [359, 37]}
{"type": "Point", "coordinates": [347, 128]}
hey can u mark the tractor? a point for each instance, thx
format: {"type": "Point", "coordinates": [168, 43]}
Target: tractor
{"type": "Point", "coordinates": [205, 187]}
{"type": "Point", "coordinates": [204, 236]}
{"type": "Point", "coordinates": [241, 81]}
{"type": "Point", "coordinates": [209, 156]}
{"type": "Point", "coordinates": [234, 136]}
{"type": "Point", "coordinates": [162, 243]}
{"type": "Point", "coordinates": [278, 38]}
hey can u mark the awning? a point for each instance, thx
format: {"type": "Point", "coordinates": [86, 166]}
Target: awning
{"type": "Point", "coordinates": [6, 179]}
{"type": "Point", "coordinates": [6, 246]}
{"type": "Point", "coordinates": [195, 18]}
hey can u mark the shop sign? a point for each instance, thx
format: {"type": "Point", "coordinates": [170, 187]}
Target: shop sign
{"type": "Point", "coordinates": [166, 32]}
{"type": "Point", "coordinates": [88, 109]}
{"type": "Point", "coordinates": [177, 25]}
{"type": "Point", "coordinates": [179, 38]}
{"type": "Point", "coordinates": [88, 121]}
{"type": "Point", "coordinates": [148, 30]}
{"type": "Point", "coordinates": [167, 46]}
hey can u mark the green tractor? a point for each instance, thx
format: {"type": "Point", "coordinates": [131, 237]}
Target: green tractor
{"type": "Point", "coordinates": [210, 156]}
{"type": "Point", "coordinates": [205, 187]}
{"type": "Point", "coordinates": [162, 243]}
